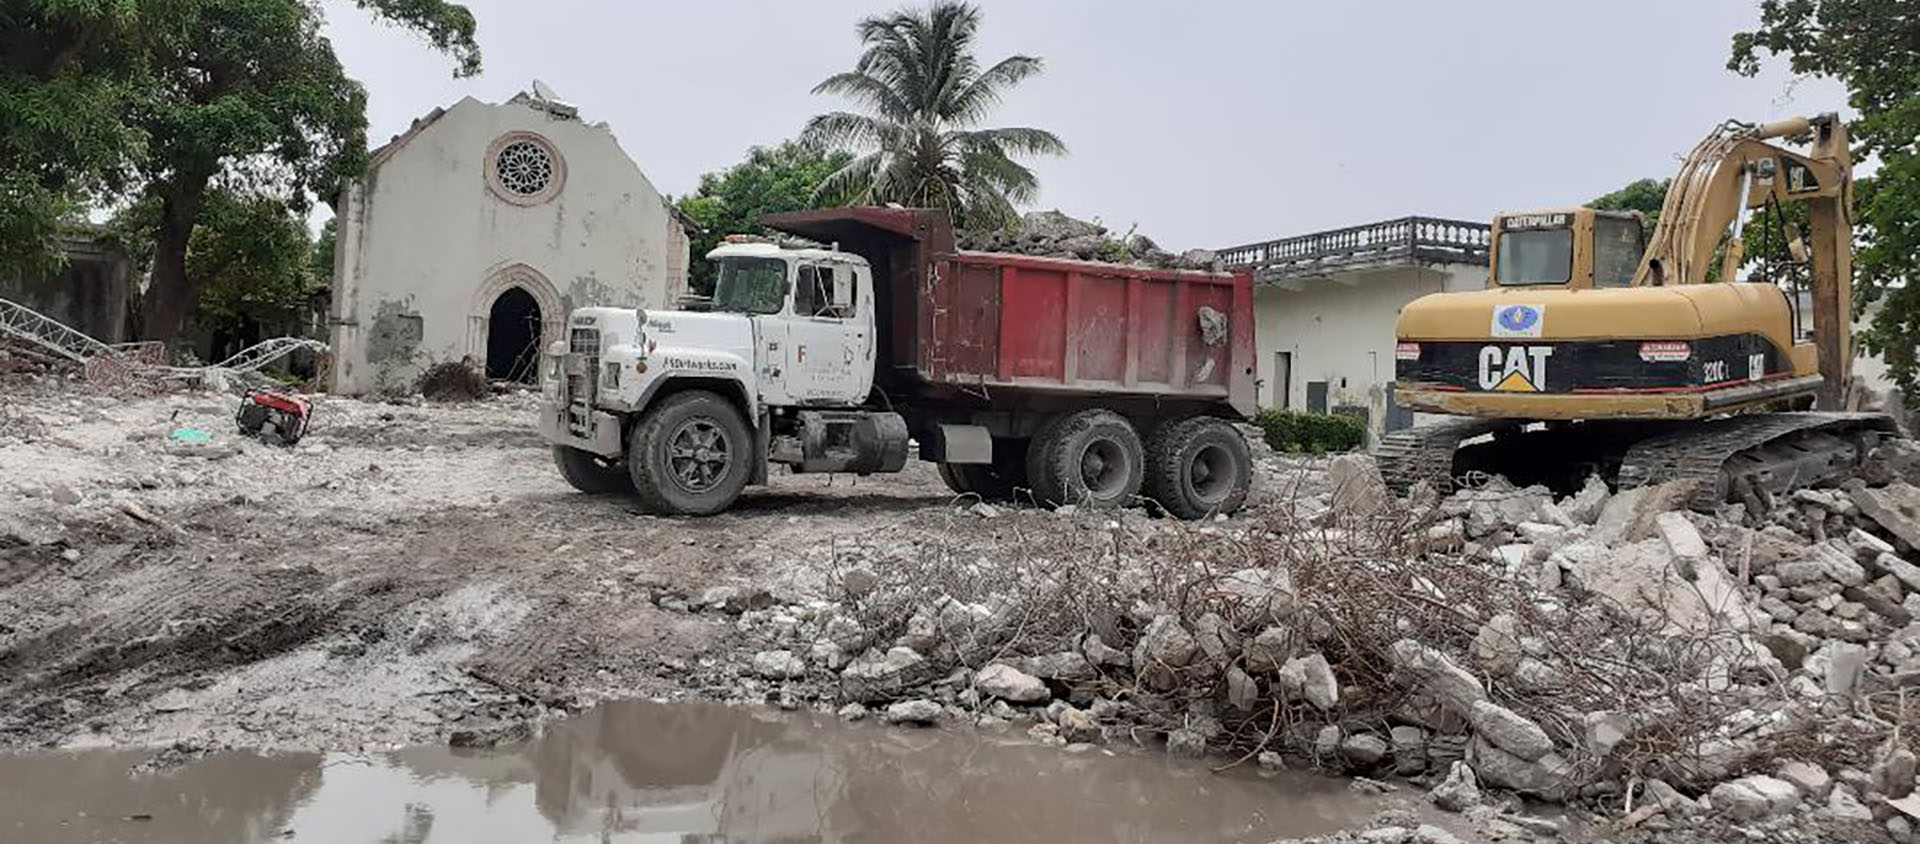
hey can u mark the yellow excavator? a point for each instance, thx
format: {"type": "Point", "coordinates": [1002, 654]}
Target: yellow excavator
{"type": "Point", "coordinates": [1598, 349]}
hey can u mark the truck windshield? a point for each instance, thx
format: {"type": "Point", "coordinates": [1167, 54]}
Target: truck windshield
{"type": "Point", "coordinates": [751, 285]}
{"type": "Point", "coordinates": [1617, 246]}
{"type": "Point", "coordinates": [1536, 256]}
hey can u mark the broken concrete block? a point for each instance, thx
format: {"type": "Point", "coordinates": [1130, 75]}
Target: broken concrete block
{"type": "Point", "coordinates": [1310, 678]}
{"type": "Point", "coordinates": [1811, 779]}
{"type": "Point", "coordinates": [1077, 725]}
{"type": "Point", "coordinates": [1242, 690]}
{"type": "Point", "coordinates": [1893, 460]}
{"type": "Point", "coordinates": [1629, 516]}
{"type": "Point", "coordinates": [1257, 596]}
{"type": "Point", "coordinates": [1754, 797]}
{"type": "Point", "coordinates": [1585, 505]}
{"type": "Point", "coordinates": [1902, 570]}
{"type": "Point", "coordinates": [1895, 508]}
{"type": "Point", "coordinates": [1605, 730]}
{"type": "Point", "coordinates": [1184, 742]}
{"type": "Point", "coordinates": [913, 712]}
{"type": "Point", "coordinates": [1496, 648]}
{"type": "Point", "coordinates": [1270, 650]}
{"type": "Point", "coordinates": [1010, 684]}
{"type": "Point", "coordinates": [1547, 778]}
{"type": "Point", "coordinates": [1845, 662]}
{"type": "Point", "coordinates": [1510, 731]}
{"type": "Point", "coordinates": [1358, 489]}
{"type": "Point", "coordinates": [1681, 536]}
{"type": "Point", "coordinates": [1837, 564]}
{"type": "Point", "coordinates": [1216, 637]}
{"type": "Point", "coordinates": [1644, 579]}
{"type": "Point", "coordinates": [1165, 645]}
{"type": "Point", "coordinates": [1409, 749]}
{"type": "Point", "coordinates": [778, 665]}
{"type": "Point", "coordinates": [1434, 673]}
{"type": "Point", "coordinates": [1363, 750]}
{"type": "Point", "coordinates": [1459, 791]}
{"type": "Point", "coordinates": [1893, 774]}
{"type": "Point", "coordinates": [875, 677]}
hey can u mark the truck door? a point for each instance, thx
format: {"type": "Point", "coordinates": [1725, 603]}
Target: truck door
{"type": "Point", "coordinates": [829, 336]}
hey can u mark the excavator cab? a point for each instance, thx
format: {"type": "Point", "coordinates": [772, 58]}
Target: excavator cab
{"type": "Point", "coordinates": [1578, 248]}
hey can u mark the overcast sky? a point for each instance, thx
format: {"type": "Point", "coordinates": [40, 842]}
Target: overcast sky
{"type": "Point", "coordinates": [1206, 123]}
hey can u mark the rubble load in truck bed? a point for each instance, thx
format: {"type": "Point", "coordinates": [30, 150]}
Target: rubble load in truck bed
{"type": "Point", "coordinates": [1052, 234]}
{"type": "Point", "coordinates": [1572, 649]}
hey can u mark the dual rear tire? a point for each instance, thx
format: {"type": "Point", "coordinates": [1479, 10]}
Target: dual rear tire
{"type": "Point", "coordinates": [1190, 468]}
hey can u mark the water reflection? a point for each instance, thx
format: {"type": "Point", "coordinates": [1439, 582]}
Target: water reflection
{"type": "Point", "coordinates": [646, 772]}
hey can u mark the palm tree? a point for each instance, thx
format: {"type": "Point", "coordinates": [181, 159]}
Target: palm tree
{"type": "Point", "coordinates": [917, 144]}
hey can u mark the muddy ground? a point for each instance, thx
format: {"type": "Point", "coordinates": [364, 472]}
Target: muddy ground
{"type": "Point", "coordinates": [407, 573]}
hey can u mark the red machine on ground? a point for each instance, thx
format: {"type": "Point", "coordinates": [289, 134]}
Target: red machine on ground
{"type": "Point", "coordinates": [287, 414]}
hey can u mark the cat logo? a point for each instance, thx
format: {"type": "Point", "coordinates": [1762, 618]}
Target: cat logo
{"type": "Point", "coordinates": [1514, 369]}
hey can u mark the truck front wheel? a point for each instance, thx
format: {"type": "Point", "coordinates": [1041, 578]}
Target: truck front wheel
{"type": "Point", "coordinates": [1091, 458]}
{"type": "Point", "coordinates": [1197, 467]}
{"type": "Point", "coordinates": [589, 472]}
{"type": "Point", "coordinates": [691, 454]}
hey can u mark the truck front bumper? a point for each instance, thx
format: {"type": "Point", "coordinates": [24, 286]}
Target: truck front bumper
{"type": "Point", "coordinates": [603, 428]}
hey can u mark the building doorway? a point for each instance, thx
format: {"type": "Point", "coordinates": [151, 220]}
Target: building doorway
{"type": "Point", "coordinates": [513, 337]}
{"type": "Point", "coordinates": [1282, 381]}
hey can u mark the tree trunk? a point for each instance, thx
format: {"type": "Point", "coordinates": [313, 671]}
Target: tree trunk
{"type": "Point", "coordinates": [171, 295]}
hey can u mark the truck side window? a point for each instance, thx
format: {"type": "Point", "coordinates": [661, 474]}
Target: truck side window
{"type": "Point", "coordinates": [814, 295]}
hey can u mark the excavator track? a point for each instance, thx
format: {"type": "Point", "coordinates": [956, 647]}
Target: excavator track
{"type": "Point", "coordinates": [1425, 452]}
{"type": "Point", "coordinates": [1754, 454]}
{"type": "Point", "coordinates": [1752, 457]}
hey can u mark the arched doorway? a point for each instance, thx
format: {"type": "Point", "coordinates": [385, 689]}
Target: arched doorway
{"type": "Point", "coordinates": [513, 337]}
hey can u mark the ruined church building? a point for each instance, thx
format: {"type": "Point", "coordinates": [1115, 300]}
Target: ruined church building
{"type": "Point", "coordinates": [474, 233]}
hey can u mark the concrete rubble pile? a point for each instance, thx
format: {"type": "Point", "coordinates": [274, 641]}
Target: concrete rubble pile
{"type": "Point", "coordinates": [1056, 235]}
{"type": "Point", "coordinates": [1600, 647]}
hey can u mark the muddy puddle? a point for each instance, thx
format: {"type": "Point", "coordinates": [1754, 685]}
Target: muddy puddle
{"type": "Point", "coordinates": [680, 773]}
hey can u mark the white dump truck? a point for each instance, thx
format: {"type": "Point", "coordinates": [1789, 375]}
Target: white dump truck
{"type": "Point", "coordinates": [1073, 381]}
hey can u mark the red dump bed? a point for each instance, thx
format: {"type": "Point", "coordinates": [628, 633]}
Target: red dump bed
{"type": "Point", "coordinates": [1016, 322]}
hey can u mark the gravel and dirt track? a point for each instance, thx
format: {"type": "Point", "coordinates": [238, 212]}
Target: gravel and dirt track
{"type": "Point", "coordinates": [406, 573]}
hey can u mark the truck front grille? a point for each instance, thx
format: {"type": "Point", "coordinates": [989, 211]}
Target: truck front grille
{"type": "Point", "coordinates": [584, 341]}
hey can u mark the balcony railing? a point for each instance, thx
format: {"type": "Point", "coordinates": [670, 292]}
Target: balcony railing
{"type": "Point", "coordinates": [1415, 240]}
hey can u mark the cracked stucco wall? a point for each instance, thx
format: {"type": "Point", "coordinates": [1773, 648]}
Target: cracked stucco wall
{"type": "Point", "coordinates": [422, 235]}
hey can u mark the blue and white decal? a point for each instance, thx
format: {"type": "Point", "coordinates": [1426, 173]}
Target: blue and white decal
{"type": "Point", "coordinates": [1519, 320]}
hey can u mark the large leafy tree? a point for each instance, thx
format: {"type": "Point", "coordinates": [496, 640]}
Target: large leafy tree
{"type": "Point", "coordinates": [770, 180]}
{"type": "Point", "coordinates": [66, 84]}
{"type": "Point", "coordinates": [165, 99]}
{"type": "Point", "coordinates": [917, 139]}
{"type": "Point", "coordinates": [254, 260]}
{"type": "Point", "coordinates": [252, 94]}
{"type": "Point", "coordinates": [1642, 195]}
{"type": "Point", "coordinates": [1872, 47]}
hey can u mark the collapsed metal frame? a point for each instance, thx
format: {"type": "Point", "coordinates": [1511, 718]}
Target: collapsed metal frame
{"type": "Point", "coordinates": [114, 362]}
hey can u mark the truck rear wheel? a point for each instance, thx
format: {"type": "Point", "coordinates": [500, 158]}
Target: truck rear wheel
{"type": "Point", "coordinates": [1091, 458]}
{"type": "Point", "coordinates": [996, 481]}
{"type": "Point", "coordinates": [589, 472]}
{"type": "Point", "coordinates": [691, 454]}
{"type": "Point", "coordinates": [1197, 467]}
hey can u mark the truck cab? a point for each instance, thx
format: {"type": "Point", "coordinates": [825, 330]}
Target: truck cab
{"type": "Point", "coordinates": [778, 364]}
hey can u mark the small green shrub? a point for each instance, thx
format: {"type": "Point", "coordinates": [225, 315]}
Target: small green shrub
{"type": "Point", "coordinates": [1311, 433]}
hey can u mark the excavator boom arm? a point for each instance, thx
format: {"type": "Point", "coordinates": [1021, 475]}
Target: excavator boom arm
{"type": "Point", "coordinates": [1735, 170]}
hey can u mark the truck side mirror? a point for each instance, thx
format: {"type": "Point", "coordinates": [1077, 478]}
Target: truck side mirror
{"type": "Point", "coordinates": [843, 290]}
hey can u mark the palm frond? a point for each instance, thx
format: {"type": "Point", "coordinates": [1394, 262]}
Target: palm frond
{"type": "Point", "coordinates": [1013, 140]}
{"type": "Point", "coordinates": [867, 89]}
{"type": "Point", "coordinates": [840, 129]}
{"type": "Point", "coordinates": [972, 102]}
{"type": "Point", "coordinates": [852, 183]}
